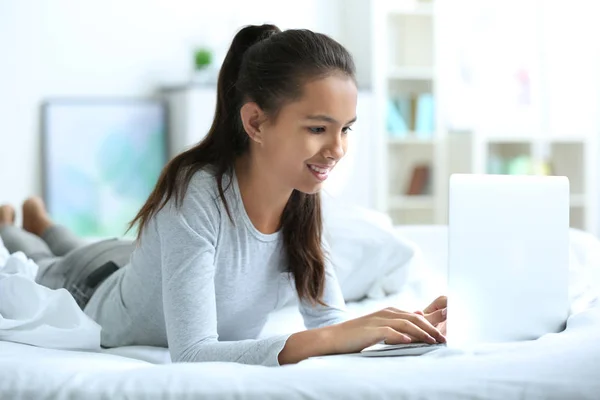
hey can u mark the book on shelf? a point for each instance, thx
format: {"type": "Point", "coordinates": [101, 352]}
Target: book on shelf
{"type": "Point", "coordinates": [419, 181]}
{"type": "Point", "coordinates": [396, 122]}
{"type": "Point", "coordinates": [404, 103]}
{"type": "Point", "coordinates": [424, 117]}
{"type": "Point", "coordinates": [411, 113]}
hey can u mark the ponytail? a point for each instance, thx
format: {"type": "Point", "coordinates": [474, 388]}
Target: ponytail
{"type": "Point", "coordinates": [225, 140]}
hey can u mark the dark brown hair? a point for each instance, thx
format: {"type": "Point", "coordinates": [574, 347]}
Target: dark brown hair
{"type": "Point", "coordinates": [269, 67]}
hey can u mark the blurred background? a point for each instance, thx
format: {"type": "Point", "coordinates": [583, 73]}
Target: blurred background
{"type": "Point", "coordinates": [95, 96]}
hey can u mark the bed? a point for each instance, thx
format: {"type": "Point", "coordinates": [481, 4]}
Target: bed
{"type": "Point", "coordinates": [565, 365]}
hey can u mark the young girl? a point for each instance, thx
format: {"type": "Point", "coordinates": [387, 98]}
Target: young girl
{"type": "Point", "coordinates": [233, 227]}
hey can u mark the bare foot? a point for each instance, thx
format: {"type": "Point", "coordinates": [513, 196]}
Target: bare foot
{"type": "Point", "coordinates": [7, 214]}
{"type": "Point", "coordinates": [35, 218]}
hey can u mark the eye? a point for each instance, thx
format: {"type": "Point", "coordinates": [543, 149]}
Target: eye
{"type": "Point", "coordinates": [316, 130]}
{"type": "Point", "coordinates": [346, 129]}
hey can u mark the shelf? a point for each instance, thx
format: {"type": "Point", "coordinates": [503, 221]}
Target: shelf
{"type": "Point", "coordinates": [566, 139]}
{"type": "Point", "coordinates": [411, 73]}
{"type": "Point", "coordinates": [411, 202]}
{"type": "Point", "coordinates": [508, 140]}
{"type": "Point", "coordinates": [413, 217]}
{"type": "Point", "coordinates": [411, 140]}
{"type": "Point", "coordinates": [410, 8]}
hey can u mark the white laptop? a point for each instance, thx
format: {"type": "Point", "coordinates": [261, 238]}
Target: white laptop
{"type": "Point", "coordinates": [508, 259]}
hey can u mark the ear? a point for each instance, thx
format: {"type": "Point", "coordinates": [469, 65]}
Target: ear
{"type": "Point", "coordinates": [252, 119]}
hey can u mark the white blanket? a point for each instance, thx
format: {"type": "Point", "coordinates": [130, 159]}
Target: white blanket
{"type": "Point", "coordinates": [33, 314]}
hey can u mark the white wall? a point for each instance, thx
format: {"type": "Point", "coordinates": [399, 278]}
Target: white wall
{"type": "Point", "coordinates": [114, 48]}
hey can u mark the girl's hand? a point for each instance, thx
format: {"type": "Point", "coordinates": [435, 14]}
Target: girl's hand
{"type": "Point", "coordinates": [391, 326]}
{"type": "Point", "coordinates": [435, 313]}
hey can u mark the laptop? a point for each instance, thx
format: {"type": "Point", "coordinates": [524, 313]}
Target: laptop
{"type": "Point", "coordinates": [508, 257]}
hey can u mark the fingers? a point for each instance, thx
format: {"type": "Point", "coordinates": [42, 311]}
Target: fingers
{"type": "Point", "coordinates": [436, 317]}
{"type": "Point", "coordinates": [392, 336]}
{"type": "Point", "coordinates": [394, 310]}
{"type": "Point", "coordinates": [442, 328]}
{"type": "Point", "coordinates": [438, 304]}
{"type": "Point", "coordinates": [425, 328]}
{"type": "Point", "coordinates": [412, 330]}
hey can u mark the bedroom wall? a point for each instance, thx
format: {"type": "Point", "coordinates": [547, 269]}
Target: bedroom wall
{"type": "Point", "coordinates": [114, 48]}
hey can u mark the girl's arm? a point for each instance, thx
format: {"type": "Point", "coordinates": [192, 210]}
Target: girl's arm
{"type": "Point", "coordinates": [187, 240]}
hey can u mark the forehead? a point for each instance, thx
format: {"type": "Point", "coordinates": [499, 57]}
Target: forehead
{"type": "Point", "coordinates": [334, 96]}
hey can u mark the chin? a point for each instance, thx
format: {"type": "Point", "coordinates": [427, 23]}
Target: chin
{"type": "Point", "coordinates": [310, 189]}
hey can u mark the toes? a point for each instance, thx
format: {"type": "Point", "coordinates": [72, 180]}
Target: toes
{"type": "Point", "coordinates": [34, 204]}
{"type": "Point", "coordinates": [7, 214]}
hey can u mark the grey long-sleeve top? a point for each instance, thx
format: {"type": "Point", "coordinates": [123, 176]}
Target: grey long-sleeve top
{"type": "Point", "coordinates": [204, 286]}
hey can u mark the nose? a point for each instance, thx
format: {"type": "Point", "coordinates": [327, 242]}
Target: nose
{"type": "Point", "coordinates": [336, 148]}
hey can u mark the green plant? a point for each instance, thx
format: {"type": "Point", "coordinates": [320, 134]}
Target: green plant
{"type": "Point", "coordinates": [202, 58]}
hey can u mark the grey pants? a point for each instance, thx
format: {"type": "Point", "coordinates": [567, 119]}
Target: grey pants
{"type": "Point", "coordinates": [66, 261]}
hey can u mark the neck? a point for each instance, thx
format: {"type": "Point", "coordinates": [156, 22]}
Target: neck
{"type": "Point", "coordinates": [263, 197]}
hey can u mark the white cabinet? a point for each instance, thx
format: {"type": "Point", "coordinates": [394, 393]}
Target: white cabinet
{"type": "Point", "coordinates": [412, 139]}
{"type": "Point", "coordinates": [191, 112]}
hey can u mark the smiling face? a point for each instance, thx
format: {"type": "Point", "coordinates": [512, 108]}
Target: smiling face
{"type": "Point", "coordinates": [301, 146]}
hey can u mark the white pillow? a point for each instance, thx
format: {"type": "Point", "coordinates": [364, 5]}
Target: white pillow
{"type": "Point", "coordinates": [369, 257]}
{"type": "Point", "coordinates": [584, 270]}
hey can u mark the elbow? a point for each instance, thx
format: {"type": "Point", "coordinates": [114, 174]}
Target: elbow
{"type": "Point", "coordinates": [184, 356]}
{"type": "Point", "coordinates": [196, 352]}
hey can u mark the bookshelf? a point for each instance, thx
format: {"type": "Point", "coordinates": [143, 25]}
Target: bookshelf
{"type": "Point", "coordinates": [413, 141]}
{"type": "Point", "coordinates": [409, 47]}
{"type": "Point", "coordinates": [395, 54]}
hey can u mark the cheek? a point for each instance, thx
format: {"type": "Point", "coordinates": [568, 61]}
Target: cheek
{"type": "Point", "coordinates": [283, 149]}
{"type": "Point", "coordinates": [291, 148]}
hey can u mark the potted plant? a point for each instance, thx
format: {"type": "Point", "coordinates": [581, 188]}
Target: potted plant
{"type": "Point", "coordinates": [202, 60]}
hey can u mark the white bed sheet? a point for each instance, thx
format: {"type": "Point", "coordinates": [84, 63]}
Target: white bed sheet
{"type": "Point", "coordinates": [557, 366]}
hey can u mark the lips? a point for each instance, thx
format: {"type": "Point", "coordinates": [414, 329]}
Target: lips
{"type": "Point", "coordinates": [319, 171]}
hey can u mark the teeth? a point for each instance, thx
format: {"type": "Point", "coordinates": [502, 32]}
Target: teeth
{"type": "Point", "coordinates": [319, 170]}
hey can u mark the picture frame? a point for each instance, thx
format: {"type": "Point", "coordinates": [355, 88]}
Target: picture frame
{"type": "Point", "coordinates": [101, 158]}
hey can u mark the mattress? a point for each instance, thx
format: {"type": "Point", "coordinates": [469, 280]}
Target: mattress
{"type": "Point", "coordinates": [565, 365]}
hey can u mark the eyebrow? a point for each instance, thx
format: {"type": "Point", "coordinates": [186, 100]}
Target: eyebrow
{"type": "Point", "coordinates": [327, 118]}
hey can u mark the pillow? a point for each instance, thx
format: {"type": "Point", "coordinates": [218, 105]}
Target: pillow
{"type": "Point", "coordinates": [584, 270]}
{"type": "Point", "coordinates": [369, 257]}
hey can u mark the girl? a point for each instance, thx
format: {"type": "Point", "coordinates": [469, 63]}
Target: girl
{"type": "Point", "coordinates": [233, 226]}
